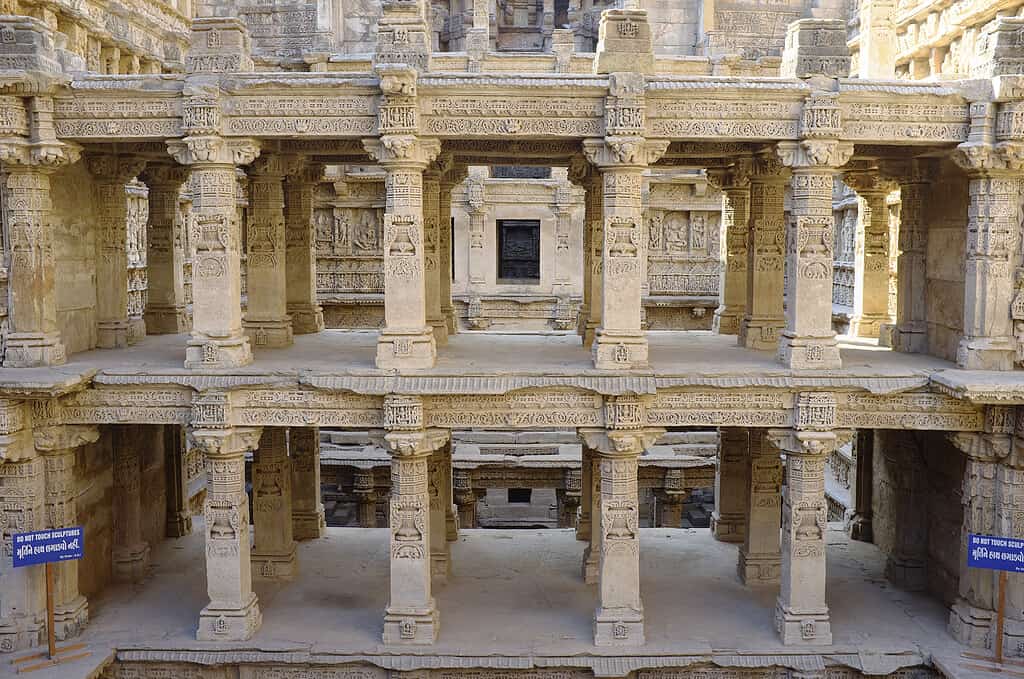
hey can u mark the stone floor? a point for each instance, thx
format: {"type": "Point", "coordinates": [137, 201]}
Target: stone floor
{"type": "Point", "coordinates": [517, 595]}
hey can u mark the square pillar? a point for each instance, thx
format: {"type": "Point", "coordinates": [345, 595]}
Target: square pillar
{"type": "Point", "coordinates": [871, 286]}
{"type": "Point", "coordinates": [438, 468]}
{"type": "Point", "coordinates": [23, 606]}
{"type": "Point", "coordinates": [130, 551]}
{"type": "Point", "coordinates": [763, 319]}
{"type": "Point", "coordinates": [592, 552]}
{"type": "Point", "coordinates": [586, 493]}
{"type": "Point", "coordinates": [233, 613]}
{"type": "Point", "coordinates": [732, 476]}
{"type": "Point", "coordinates": [273, 553]}
{"type": "Point", "coordinates": [217, 340]}
{"type": "Point", "coordinates": [593, 228]}
{"type": "Point", "coordinates": [432, 254]}
{"type": "Point", "coordinates": [34, 338]}
{"type": "Point", "coordinates": [914, 180]}
{"type": "Point", "coordinates": [165, 251]}
{"type": "Point", "coordinates": [449, 181]}
{"type": "Point", "coordinates": [582, 174]}
{"type": "Point", "coordinates": [619, 619]}
{"type": "Point", "coordinates": [267, 323]}
{"type": "Point", "coordinates": [734, 183]}
{"type": "Point", "coordinates": [111, 173]}
{"type": "Point", "coordinates": [308, 520]}
{"type": "Point", "coordinates": [365, 491]}
{"type": "Point", "coordinates": [569, 499]}
{"type": "Point", "coordinates": [808, 341]}
{"type": "Point", "coordinates": [465, 498]}
{"type": "Point", "coordinates": [300, 249]}
{"type": "Point", "coordinates": [760, 561]}
{"type": "Point", "coordinates": [179, 514]}
{"type": "Point", "coordinates": [57, 446]}
{"type": "Point", "coordinates": [411, 616]}
{"type": "Point", "coordinates": [406, 341]}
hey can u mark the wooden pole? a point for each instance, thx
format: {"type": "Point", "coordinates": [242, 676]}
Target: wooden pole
{"type": "Point", "coordinates": [1000, 617]}
{"type": "Point", "coordinates": [51, 634]}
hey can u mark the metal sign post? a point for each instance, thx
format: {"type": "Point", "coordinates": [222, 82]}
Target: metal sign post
{"type": "Point", "coordinates": [47, 547]}
{"type": "Point", "coordinates": [1005, 555]}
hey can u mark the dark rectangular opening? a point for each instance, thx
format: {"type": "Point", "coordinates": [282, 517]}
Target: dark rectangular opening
{"type": "Point", "coordinates": [519, 496]}
{"type": "Point", "coordinates": [518, 251]}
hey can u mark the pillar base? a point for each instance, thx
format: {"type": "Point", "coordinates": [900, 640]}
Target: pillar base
{"type": "Point", "coordinates": [415, 628]}
{"type": "Point", "coordinates": [440, 566]}
{"type": "Point", "coordinates": [440, 329]}
{"type": "Point", "coordinates": [909, 339]}
{"type": "Point", "coordinates": [726, 321]}
{"type": "Point", "coordinates": [136, 329]}
{"type": "Point", "coordinates": [591, 567]}
{"type": "Point", "coordinates": [868, 325]}
{"type": "Point", "coordinates": [309, 525]}
{"type": "Point", "coordinates": [728, 528]}
{"type": "Point", "coordinates": [809, 353]}
{"type": "Point", "coordinates": [909, 575]}
{"type": "Point", "coordinates": [306, 318]}
{"type": "Point", "coordinates": [449, 319]}
{"type": "Point", "coordinates": [860, 529]}
{"type": "Point", "coordinates": [618, 351]}
{"type": "Point", "coordinates": [590, 333]}
{"type": "Point", "coordinates": [760, 334]}
{"type": "Point", "coordinates": [112, 334]}
{"type": "Point", "coordinates": [130, 563]}
{"type": "Point", "coordinates": [275, 566]}
{"type": "Point", "coordinates": [178, 524]}
{"type": "Point", "coordinates": [34, 350]}
{"type": "Point", "coordinates": [618, 627]}
{"type": "Point", "coordinates": [269, 333]}
{"type": "Point", "coordinates": [216, 624]}
{"type": "Point", "coordinates": [21, 634]}
{"type": "Point", "coordinates": [986, 353]}
{"type": "Point", "coordinates": [69, 619]}
{"type": "Point", "coordinates": [971, 626]}
{"type": "Point", "coordinates": [166, 320]}
{"type": "Point", "coordinates": [451, 527]}
{"type": "Point", "coordinates": [406, 350]}
{"type": "Point", "coordinates": [756, 570]}
{"type": "Point", "coordinates": [802, 629]}
{"type": "Point", "coordinates": [204, 352]}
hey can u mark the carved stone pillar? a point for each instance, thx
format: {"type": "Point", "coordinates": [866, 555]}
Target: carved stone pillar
{"type": "Point", "coordinates": [871, 273]}
{"type": "Point", "coordinates": [569, 499]}
{"type": "Point", "coordinates": [267, 323]}
{"type": "Point", "coordinates": [476, 207]}
{"type": "Point", "coordinates": [449, 181]}
{"type": "Point", "coordinates": [619, 619]}
{"type": "Point", "coordinates": [273, 554]}
{"type": "Point", "coordinates": [735, 186]}
{"type": "Point", "coordinates": [1010, 522]}
{"type": "Point", "coordinates": [670, 500]}
{"type": "Point", "coordinates": [580, 173]}
{"type": "Point", "coordinates": [808, 341]}
{"type": "Point", "coordinates": [233, 613]}
{"type": "Point", "coordinates": [439, 477]}
{"type": "Point", "coordinates": [111, 173]}
{"type": "Point", "coordinates": [592, 552]}
{"type": "Point", "coordinates": [911, 274]}
{"type": "Point", "coordinates": [22, 495]}
{"type": "Point", "coordinates": [878, 43]}
{"type": "Point", "coordinates": [432, 255]}
{"type": "Point", "coordinates": [801, 614]}
{"type": "Point", "coordinates": [732, 476]}
{"type": "Point", "coordinates": [593, 228]}
{"type": "Point", "coordinates": [465, 497]}
{"type": "Point", "coordinates": [411, 616]}
{"type": "Point", "coordinates": [901, 476]}
{"type": "Point", "coordinates": [972, 617]}
{"type": "Point", "coordinates": [57, 445]}
{"type": "Point", "coordinates": [860, 523]}
{"type": "Point", "coordinates": [308, 521]}
{"type": "Point", "coordinates": [217, 340]}
{"type": "Point", "coordinates": [992, 250]}
{"type": "Point", "coordinates": [165, 251]}
{"type": "Point", "coordinates": [586, 493]}
{"type": "Point", "coordinates": [406, 340]}
{"type": "Point", "coordinates": [760, 561]}
{"type": "Point", "coordinates": [179, 515]}
{"type": "Point", "coordinates": [620, 343]}
{"type": "Point", "coordinates": [130, 551]}
{"type": "Point", "coordinates": [763, 319]}
{"type": "Point", "coordinates": [365, 491]}
{"type": "Point", "coordinates": [300, 250]}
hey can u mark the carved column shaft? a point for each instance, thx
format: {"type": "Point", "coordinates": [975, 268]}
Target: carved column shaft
{"type": "Point", "coordinates": [179, 514]}
{"type": "Point", "coordinates": [465, 497]}
{"type": "Point", "coordinates": [732, 476]}
{"type": "Point", "coordinates": [871, 271]}
{"type": "Point", "coordinates": [592, 553]}
{"type": "Point", "coordinates": [586, 493]}
{"type": "Point", "coordinates": [233, 612]}
{"type": "Point", "coordinates": [438, 468]}
{"type": "Point", "coordinates": [365, 491]}
{"type": "Point", "coordinates": [23, 606]}
{"type": "Point", "coordinates": [445, 247]}
{"type": "Point", "coordinates": [763, 318]}
{"type": "Point", "coordinates": [594, 228]}
{"type": "Point", "coordinates": [759, 555]}
{"type": "Point", "coordinates": [300, 251]}
{"type": "Point", "coordinates": [911, 273]}
{"type": "Point", "coordinates": [130, 551]}
{"type": "Point", "coordinates": [308, 521]}
{"type": "Point", "coordinates": [273, 554]}
{"type": "Point", "coordinates": [34, 339]}
{"type": "Point", "coordinates": [267, 322]}
{"type": "Point", "coordinates": [735, 225]}
{"type": "Point", "coordinates": [165, 252]}
{"type": "Point", "coordinates": [431, 254]}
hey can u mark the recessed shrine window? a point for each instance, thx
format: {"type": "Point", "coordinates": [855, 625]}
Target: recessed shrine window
{"type": "Point", "coordinates": [519, 251]}
{"type": "Point", "coordinates": [519, 496]}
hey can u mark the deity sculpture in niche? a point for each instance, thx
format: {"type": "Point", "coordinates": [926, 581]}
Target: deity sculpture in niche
{"type": "Point", "coordinates": [676, 225]}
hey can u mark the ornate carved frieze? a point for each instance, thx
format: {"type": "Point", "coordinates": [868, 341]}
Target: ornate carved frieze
{"type": "Point", "coordinates": [517, 409]}
{"type": "Point", "coordinates": [305, 408]}
{"type": "Point", "coordinates": [732, 408]}
{"type": "Point", "coordinates": [473, 115]}
{"type": "Point", "coordinates": [155, 405]}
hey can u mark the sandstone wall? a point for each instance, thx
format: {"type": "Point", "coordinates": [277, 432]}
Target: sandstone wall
{"type": "Point", "coordinates": [74, 211]}
{"type": "Point", "coordinates": [945, 219]}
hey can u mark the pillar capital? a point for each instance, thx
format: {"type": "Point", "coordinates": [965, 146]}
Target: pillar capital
{"type": "Point", "coordinates": [112, 168]}
{"type": "Point", "coordinates": [868, 181]}
{"type": "Point", "coordinates": [987, 159]}
{"type": "Point", "coordinates": [213, 150]}
{"type": "Point", "coordinates": [402, 150]}
{"type": "Point", "coordinates": [61, 437]}
{"type": "Point", "coordinates": [621, 443]}
{"type": "Point", "coordinates": [228, 442]}
{"type": "Point", "coordinates": [166, 174]}
{"type": "Point", "coordinates": [735, 177]}
{"type": "Point", "coordinates": [808, 443]}
{"type": "Point", "coordinates": [412, 444]}
{"type": "Point", "coordinates": [813, 156]}
{"type": "Point", "coordinates": [624, 152]}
